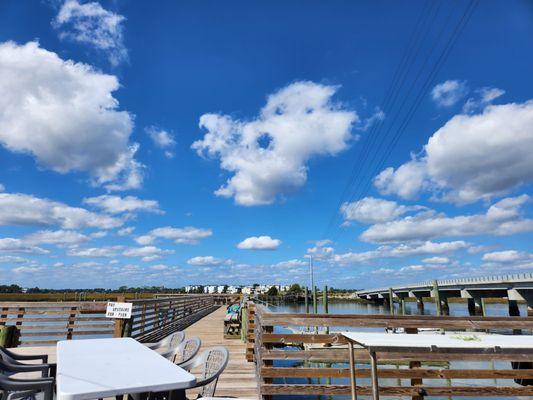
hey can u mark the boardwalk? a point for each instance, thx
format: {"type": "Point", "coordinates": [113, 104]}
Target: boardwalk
{"type": "Point", "coordinates": [239, 377]}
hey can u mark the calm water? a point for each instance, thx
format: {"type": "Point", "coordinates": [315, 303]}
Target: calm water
{"type": "Point", "coordinates": [456, 309]}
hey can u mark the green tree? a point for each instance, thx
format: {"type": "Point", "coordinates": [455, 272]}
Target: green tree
{"type": "Point", "coordinates": [295, 289]}
{"type": "Point", "coordinates": [273, 291]}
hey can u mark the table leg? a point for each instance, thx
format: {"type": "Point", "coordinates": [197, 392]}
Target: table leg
{"type": "Point", "coordinates": [352, 371]}
{"type": "Point", "coordinates": [374, 374]}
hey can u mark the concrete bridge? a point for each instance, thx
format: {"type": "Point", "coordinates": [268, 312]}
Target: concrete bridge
{"type": "Point", "coordinates": [515, 288]}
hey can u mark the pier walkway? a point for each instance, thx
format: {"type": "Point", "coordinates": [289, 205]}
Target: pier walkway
{"type": "Point", "coordinates": [238, 379]}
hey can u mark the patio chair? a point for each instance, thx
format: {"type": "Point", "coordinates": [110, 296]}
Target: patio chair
{"type": "Point", "coordinates": [10, 365]}
{"type": "Point", "coordinates": [169, 342]}
{"type": "Point", "coordinates": [212, 361]}
{"type": "Point", "coordinates": [184, 351]}
{"type": "Point", "coordinates": [13, 389]}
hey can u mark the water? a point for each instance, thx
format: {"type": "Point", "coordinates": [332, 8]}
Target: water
{"type": "Point", "coordinates": [347, 307]}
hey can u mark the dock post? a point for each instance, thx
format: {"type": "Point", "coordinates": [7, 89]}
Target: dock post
{"type": "Point", "coordinates": [436, 296]}
{"type": "Point", "coordinates": [403, 306]}
{"type": "Point", "coordinates": [325, 305]}
{"type": "Point", "coordinates": [391, 302]}
{"type": "Point", "coordinates": [315, 305]}
{"type": "Point", "coordinates": [306, 295]}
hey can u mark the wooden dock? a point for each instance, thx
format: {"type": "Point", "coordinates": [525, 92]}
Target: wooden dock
{"type": "Point", "coordinates": [238, 380]}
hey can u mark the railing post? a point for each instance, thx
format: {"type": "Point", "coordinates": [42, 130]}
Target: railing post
{"type": "Point", "coordinates": [119, 323]}
{"type": "Point", "coordinates": [325, 305]}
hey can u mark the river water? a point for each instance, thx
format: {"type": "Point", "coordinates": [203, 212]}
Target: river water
{"type": "Point", "coordinates": [347, 307]}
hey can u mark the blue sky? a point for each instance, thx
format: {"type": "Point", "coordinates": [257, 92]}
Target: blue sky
{"type": "Point", "coordinates": [209, 142]}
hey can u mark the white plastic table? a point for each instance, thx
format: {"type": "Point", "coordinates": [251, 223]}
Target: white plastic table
{"type": "Point", "coordinates": [451, 343]}
{"type": "Point", "coordinates": [98, 368]}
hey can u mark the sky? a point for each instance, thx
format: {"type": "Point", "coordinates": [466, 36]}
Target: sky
{"type": "Point", "coordinates": [208, 142]}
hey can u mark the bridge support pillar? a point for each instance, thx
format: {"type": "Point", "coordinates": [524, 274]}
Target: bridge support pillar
{"type": "Point", "coordinates": [475, 304]}
{"type": "Point", "coordinates": [419, 301]}
{"type": "Point", "coordinates": [523, 295]}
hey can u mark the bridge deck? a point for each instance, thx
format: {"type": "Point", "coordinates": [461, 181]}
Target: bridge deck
{"type": "Point", "coordinates": [238, 379]}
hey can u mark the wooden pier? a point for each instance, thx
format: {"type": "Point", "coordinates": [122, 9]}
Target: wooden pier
{"type": "Point", "coordinates": [238, 379]}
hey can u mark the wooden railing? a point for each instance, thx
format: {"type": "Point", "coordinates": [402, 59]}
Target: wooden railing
{"type": "Point", "coordinates": [44, 323]}
{"type": "Point", "coordinates": [218, 298]}
{"type": "Point", "coordinates": [320, 361]}
{"type": "Point", "coordinates": [154, 319]}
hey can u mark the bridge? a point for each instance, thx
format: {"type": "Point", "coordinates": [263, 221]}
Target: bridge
{"type": "Point", "coordinates": [514, 288]}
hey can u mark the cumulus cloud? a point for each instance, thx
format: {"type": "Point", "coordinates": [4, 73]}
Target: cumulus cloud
{"type": "Point", "coordinates": [126, 231]}
{"type": "Point", "coordinates": [129, 204]}
{"type": "Point", "coordinates": [436, 260]}
{"type": "Point", "coordinates": [187, 235]}
{"type": "Point", "coordinates": [13, 245]}
{"type": "Point", "coordinates": [268, 156]}
{"type": "Point", "coordinates": [91, 24]}
{"type": "Point", "coordinates": [502, 218]}
{"type": "Point", "coordinates": [507, 256]}
{"type": "Point", "coordinates": [471, 157]}
{"type": "Point", "coordinates": [147, 253]}
{"type": "Point", "coordinates": [162, 139]}
{"type": "Point", "coordinates": [59, 237]}
{"type": "Point", "coordinates": [64, 114]}
{"type": "Point", "coordinates": [13, 259]}
{"type": "Point", "coordinates": [402, 250]}
{"type": "Point", "coordinates": [259, 243]}
{"type": "Point", "coordinates": [449, 92]}
{"type": "Point", "coordinates": [23, 209]}
{"type": "Point", "coordinates": [294, 263]}
{"type": "Point", "coordinates": [107, 251]}
{"type": "Point", "coordinates": [371, 210]}
{"type": "Point", "coordinates": [205, 261]}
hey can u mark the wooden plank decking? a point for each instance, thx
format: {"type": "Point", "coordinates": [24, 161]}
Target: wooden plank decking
{"type": "Point", "coordinates": [238, 380]}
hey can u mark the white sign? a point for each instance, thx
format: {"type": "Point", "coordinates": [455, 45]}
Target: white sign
{"type": "Point", "coordinates": [118, 310]}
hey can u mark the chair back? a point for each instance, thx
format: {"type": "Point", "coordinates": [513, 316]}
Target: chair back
{"type": "Point", "coordinates": [185, 351]}
{"type": "Point", "coordinates": [215, 360]}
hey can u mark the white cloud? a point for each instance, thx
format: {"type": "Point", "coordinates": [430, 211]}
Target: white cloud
{"type": "Point", "coordinates": [484, 96]}
{"type": "Point", "coordinates": [23, 209]}
{"type": "Point", "coordinates": [259, 243]}
{"type": "Point", "coordinates": [187, 235]}
{"type": "Point", "coordinates": [502, 218]}
{"type": "Point", "coordinates": [436, 260]}
{"type": "Point", "coordinates": [91, 24]}
{"type": "Point", "coordinates": [126, 231]}
{"type": "Point", "coordinates": [291, 264]}
{"type": "Point", "coordinates": [449, 92]}
{"type": "Point", "coordinates": [507, 256]}
{"type": "Point", "coordinates": [371, 210]}
{"type": "Point", "coordinates": [148, 253]}
{"type": "Point", "coordinates": [471, 157]}
{"type": "Point", "coordinates": [107, 251]}
{"type": "Point", "coordinates": [59, 237]}
{"type": "Point", "coordinates": [129, 204]}
{"type": "Point", "coordinates": [406, 181]}
{"type": "Point", "coordinates": [64, 114]}
{"type": "Point", "coordinates": [268, 155]}
{"type": "Point", "coordinates": [12, 259]}
{"type": "Point", "coordinates": [2, 188]}
{"type": "Point", "coordinates": [162, 139]}
{"type": "Point", "coordinates": [207, 261]}
{"type": "Point", "coordinates": [402, 250]}
{"type": "Point", "coordinates": [13, 245]}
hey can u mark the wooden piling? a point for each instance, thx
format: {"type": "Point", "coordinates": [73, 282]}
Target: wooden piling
{"type": "Point", "coordinates": [391, 301]}
{"type": "Point", "coordinates": [325, 306]}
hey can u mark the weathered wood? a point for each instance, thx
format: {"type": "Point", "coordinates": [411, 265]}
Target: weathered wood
{"type": "Point", "coordinates": [393, 373]}
{"type": "Point", "coordinates": [344, 390]}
